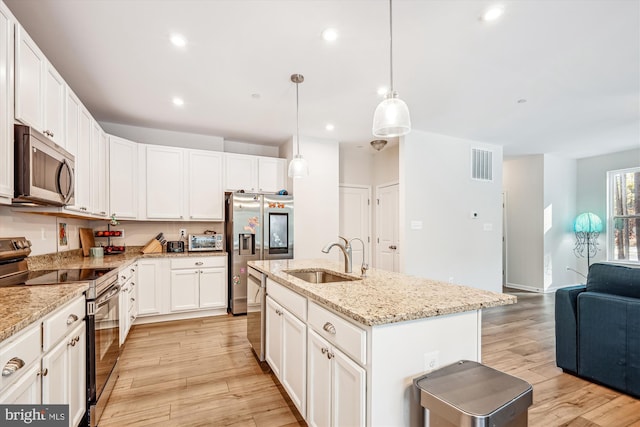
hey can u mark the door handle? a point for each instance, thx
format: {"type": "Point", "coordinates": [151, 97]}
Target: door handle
{"type": "Point", "coordinates": [394, 247]}
{"type": "Point", "coordinates": [69, 191]}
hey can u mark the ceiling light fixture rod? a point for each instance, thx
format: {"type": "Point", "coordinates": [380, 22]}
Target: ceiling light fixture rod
{"type": "Point", "coordinates": [391, 46]}
{"type": "Point", "coordinates": [298, 166]}
{"type": "Point", "coordinates": [297, 79]}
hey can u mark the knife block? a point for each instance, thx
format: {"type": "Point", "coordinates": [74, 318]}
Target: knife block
{"type": "Point", "coordinates": [152, 247]}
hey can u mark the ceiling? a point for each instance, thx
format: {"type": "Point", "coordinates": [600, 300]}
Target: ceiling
{"type": "Point", "coordinates": [576, 63]}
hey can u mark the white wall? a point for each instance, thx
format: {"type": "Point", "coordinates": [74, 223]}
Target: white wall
{"type": "Point", "coordinates": [592, 186]}
{"type": "Point", "coordinates": [41, 230]}
{"type": "Point", "coordinates": [523, 185]}
{"type": "Point", "coordinates": [386, 165]}
{"type": "Point", "coordinates": [560, 211]}
{"type": "Point", "coordinates": [356, 165]}
{"type": "Point", "coordinates": [316, 199]}
{"type": "Point", "coordinates": [436, 188]}
{"type": "Point", "coordinates": [248, 148]}
{"type": "Point", "coordinates": [164, 137]}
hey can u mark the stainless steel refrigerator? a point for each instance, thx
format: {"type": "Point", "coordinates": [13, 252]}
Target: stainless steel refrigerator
{"type": "Point", "coordinates": [258, 226]}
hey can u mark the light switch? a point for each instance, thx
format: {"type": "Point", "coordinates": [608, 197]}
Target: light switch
{"type": "Point", "coordinates": [416, 225]}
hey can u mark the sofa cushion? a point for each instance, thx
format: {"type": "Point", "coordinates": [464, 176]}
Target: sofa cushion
{"type": "Point", "coordinates": [614, 279]}
{"type": "Point", "coordinates": [602, 338]}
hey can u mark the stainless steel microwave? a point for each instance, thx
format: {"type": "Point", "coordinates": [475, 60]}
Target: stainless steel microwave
{"type": "Point", "coordinates": [44, 171]}
{"type": "Point", "coordinates": [205, 242]}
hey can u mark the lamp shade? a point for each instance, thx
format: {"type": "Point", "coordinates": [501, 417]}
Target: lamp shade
{"type": "Point", "coordinates": [587, 223]}
{"type": "Point", "coordinates": [391, 117]}
{"type": "Point", "coordinates": [298, 167]}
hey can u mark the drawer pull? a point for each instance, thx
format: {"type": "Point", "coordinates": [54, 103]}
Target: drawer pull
{"type": "Point", "coordinates": [133, 300]}
{"type": "Point", "coordinates": [330, 355]}
{"type": "Point", "coordinates": [44, 372]}
{"type": "Point", "coordinates": [72, 319]}
{"type": "Point", "coordinates": [199, 263]}
{"type": "Point", "coordinates": [329, 328]}
{"type": "Point", "coordinates": [12, 365]}
{"type": "Point", "coordinates": [325, 350]}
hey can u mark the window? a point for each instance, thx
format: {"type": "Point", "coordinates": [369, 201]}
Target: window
{"type": "Point", "coordinates": [623, 215]}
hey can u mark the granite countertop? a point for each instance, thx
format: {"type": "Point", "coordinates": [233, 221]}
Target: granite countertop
{"type": "Point", "coordinates": [76, 260]}
{"type": "Point", "coordinates": [382, 297]}
{"type": "Point", "coordinates": [22, 305]}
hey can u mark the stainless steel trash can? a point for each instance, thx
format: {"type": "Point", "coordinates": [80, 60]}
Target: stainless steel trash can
{"type": "Point", "coordinates": [471, 394]}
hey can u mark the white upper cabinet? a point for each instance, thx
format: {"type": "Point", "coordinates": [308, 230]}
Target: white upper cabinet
{"type": "Point", "coordinates": [29, 69]}
{"type": "Point", "coordinates": [98, 172]}
{"type": "Point", "coordinates": [272, 174]}
{"type": "Point", "coordinates": [241, 172]}
{"type": "Point", "coordinates": [254, 173]}
{"type": "Point", "coordinates": [123, 178]}
{"type": "Point", "coordinates": [83, 163]}
{"type": "Point", "coordinates": [164, 182]}
{"type": "Point", "coordinates": [54, 106]}
{"type": "Point", "coordinates": [72, 113]}
{"type": "Point", "coordinates": [7, 22]}
{"type": "Point", "coordinates": [204, 185]}
{"type": "Point", "coordinates": [39, 89]}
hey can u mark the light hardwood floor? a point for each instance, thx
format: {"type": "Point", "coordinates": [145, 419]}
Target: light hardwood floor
{"type": "Point", "coordinates": [202, 373]}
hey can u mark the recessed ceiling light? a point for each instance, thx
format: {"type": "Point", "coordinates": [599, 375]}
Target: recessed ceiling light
{"type": "Point", "coordinates": [178, 40]}
{"type": "Point", "coordinates": [382, 90]}
{"type": "Point", "coordinates": [255, 95]}
{"type": "Point", "coordinates": [330, 34]}
{"type": "Point", "coordinates": [329, 127]}
{"type": "Point", "coordinates": [178, 102]}
{"type": "Point", "coordinates": [521, 101]}
{"type": "Point", "coordinates": [493, 13]}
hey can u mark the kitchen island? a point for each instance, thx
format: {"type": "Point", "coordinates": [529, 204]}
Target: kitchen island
{"type": "Point", "coordinates": [377, 332]}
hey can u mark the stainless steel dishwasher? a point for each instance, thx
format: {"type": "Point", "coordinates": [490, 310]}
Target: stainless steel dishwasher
{"type": "Point", "coordinates": [256, 302]}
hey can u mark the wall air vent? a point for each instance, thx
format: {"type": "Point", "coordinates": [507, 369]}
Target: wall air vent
{"type": "Point", "coordinates": [481, 165]}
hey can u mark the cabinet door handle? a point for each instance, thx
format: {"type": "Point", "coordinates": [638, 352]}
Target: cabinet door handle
{"type": "Point", "coordinates": [44, 372]}
{"type": "Point", "coordinates": [325, 350]}
{"type": "Point", "coordinates": [12, 366]}
{"type": "Point", "coordinates": [330, 356]}
{"type": "Point", "coordinates": [393, 247]}
{"type": "Point", "coordinates": [133, 300]}
{"type": "Point", "coordinates": [133, 318]}
{"type": "Point", "coordinates": [329, 328]}
{"type": "Point", "coordinates": [199, 263]}
{"type": "Point", "coordinates": [71, 319]}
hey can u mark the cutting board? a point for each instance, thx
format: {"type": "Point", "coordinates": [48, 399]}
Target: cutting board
{"type": "Point", "coordinates": [86, 240]}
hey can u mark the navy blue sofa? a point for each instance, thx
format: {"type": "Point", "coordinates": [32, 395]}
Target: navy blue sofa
{"type": "Point", "coordinates": [598, 327]}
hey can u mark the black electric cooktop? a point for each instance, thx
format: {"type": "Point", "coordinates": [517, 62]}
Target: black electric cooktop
{"type": "Point", "coordinates": [54, 277]}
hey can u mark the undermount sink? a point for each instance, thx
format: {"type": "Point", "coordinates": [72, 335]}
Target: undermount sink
{"type": "Point", "coordinates": [318, 276]}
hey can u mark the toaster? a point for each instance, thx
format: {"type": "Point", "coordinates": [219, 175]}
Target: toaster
{"type": "Point", "coordinates": [175, 246]}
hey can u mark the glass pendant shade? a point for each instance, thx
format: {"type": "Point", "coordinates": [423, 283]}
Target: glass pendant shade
{"type": "Point", "coordinates": [298, 167]}
{"type": "Point", "coordinates": [391, 117]}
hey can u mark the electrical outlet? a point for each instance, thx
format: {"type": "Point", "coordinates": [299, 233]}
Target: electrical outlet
{"type": "Point", "coordinates": [431, 360]}
{"type": "Point", "coordinates": [183, 233]}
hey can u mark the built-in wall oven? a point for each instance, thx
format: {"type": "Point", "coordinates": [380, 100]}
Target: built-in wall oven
{"type": "Point", "coordinates": [103, 344]}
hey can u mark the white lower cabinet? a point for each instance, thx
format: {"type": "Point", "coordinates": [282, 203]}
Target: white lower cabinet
{"type": "Point", "coordinates": [128, 301]}
{"type": "Point", "coordinates": [198, 283]}
{"type": "Point", "coordinates": [46, 362]}
{"type": "Point", "coordinates": [64, 374]}
{"type": "Point", "coordinates": [152, 278]}
{"type": "Point", "coordinates": [336, 386]}
{"type": "Point", "coordinates": [286, 351]}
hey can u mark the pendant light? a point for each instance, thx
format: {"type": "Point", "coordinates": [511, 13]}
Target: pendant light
{"type": "Point", "coordinates": [391, 117]}
{"type": "Point", "coordinates": [298, 167]}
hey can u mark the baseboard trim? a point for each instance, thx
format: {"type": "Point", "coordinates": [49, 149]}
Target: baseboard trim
{"type": "Point", "coordinates": [179, 316]}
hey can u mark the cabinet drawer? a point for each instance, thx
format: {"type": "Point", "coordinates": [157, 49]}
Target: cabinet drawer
{"type": "Point", "coordinates": [24, 348]}
{"type": "Point", "coordinates": [340, 332]}
{"type": "Point", "coordinates": [62, 321]}
{"type": "Point", "coordinates": [126, 273]}
{"type": "Point", "coordinates": [295, 303]}
{"type": "Point", "coordinates": [204, 262]}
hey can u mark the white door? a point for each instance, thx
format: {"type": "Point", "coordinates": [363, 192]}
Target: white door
{"type": "Point", "coordinates": [164, 182]}
{"type": "Point", "coordinates": [185, 289]}
{"type": "Point", "coordinates": [241, 172]}
{"type": "Point", "coordinates": [78, 375]}
{"type": "Point", "coordinates": [273, 322]}
{"type": "Point", "coordinates": [294, 360]}
{"type": "Point", "coordinates": [29, 81]}
{"type": "Point", "coordinates": [27, 390]}
{"type": "Point", "coordinates": [206, 195]}
{"type": "Point", "coordinates": [271, 174]}
{"type": "Point", "coordinates": [213, 288]}
{"type": "Point", "coordinates": [149, 285]}
{"type": "Point", "coordinates": [355, 219]}
{"type": "Point", "coordinates": [388, 230]}
{"type": "Point", "coordinates": [84, 176]}
{"type": "Point", "coordinates": [55, 384]}
{"type": "Point", "coordinates": [349, 398]}
{"type": "Point", "coordinates": [54, 105]}
{"type": "Point", "coordinates": [123, 182]}
{"type": "Point", "coordinates": [319, 382]}
{"type": "Point", "coordinates": [6, 101]}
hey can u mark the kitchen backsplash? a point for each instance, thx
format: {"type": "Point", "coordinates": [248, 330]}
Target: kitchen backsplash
{"type": "Point", "coordinates": [50, 234]}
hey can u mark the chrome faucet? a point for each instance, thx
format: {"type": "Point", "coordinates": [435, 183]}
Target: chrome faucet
{"type": "Point", "coordinates": [346, 251]}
